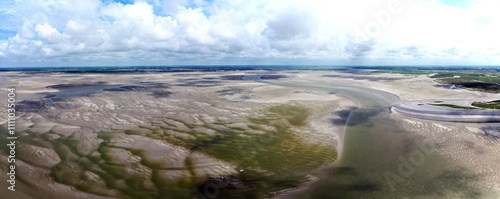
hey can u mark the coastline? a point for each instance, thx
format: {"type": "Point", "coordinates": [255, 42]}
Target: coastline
{"type": "Point", "coordinates": [416, 110]}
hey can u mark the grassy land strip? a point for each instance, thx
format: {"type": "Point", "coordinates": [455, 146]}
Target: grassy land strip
{"type": "Point", "coordinates": [489, 105]}
{"type": "Point", "coordinates": [453, 106]}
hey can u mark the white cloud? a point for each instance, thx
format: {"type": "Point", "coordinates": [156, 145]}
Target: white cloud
{"type": "Point", "coordinates": [194, 31]}
{"type": "Point", "coordinates": [48, 34]}
{"type": "Point", "coordinates": [173, 6]}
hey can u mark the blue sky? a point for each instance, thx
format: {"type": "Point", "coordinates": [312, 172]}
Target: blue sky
{"type": "Point", "coordinates": [457, 3]}
{"type": "Point", "coordinates": [5, 34]}
{"type": "Point", "coordinates": [180, 32]}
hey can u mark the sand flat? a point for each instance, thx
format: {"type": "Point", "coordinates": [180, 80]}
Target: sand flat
{"type": "Point", "coordinates": [169, 110]}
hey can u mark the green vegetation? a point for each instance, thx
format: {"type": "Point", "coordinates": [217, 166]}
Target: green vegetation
{"type": "Point", "coordinates": [473, 78]}
{"type": "Point", "coordinates": [274, 160]}
{"type": "Point", "coordinates": [275, 150]}
{"type": "Point", "coordinates": [489, 105]}
{"type": "Point", "coordinates": [453, 106]}
{"type": "Point", "coordinates": [480, 80]}
{"type": "Point", "coordinates": [472, 84]}
{"type": "Point", "coordinates": [406, 71]}
{"type": "Point", "coordinates": [296, 115]}
{"type": "Point", "coordinates": [77, 163]}
{"type": "Point", "coordinates": [443, 75]}
{"type": "Point", "coordinates": [413, 70]}
{"type": "Point", "coordinates": [277, 158]}
{"type": "Point", "coordinates": [486, 76]}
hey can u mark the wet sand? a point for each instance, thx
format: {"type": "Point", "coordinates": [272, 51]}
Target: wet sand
{"type": "Point", "coordinates": [149, 134]}
{"type": "Point", "coordinates": [195, 105]}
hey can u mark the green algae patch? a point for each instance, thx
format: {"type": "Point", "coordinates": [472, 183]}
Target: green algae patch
{"type": "Point", "coordinates": [276, 151]}
{"type": "Point", "coordinates": [296, 115]}
{"type": "Point", "coordinates": [275, 159]}
{"type": "Point", "coordinates": [270, 155]}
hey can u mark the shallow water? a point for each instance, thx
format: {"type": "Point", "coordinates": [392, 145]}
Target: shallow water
{"type": "Point", "coordinates": [381, 160]}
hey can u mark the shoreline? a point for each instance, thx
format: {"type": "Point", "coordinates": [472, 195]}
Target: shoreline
{"type": "Point", "coordinates": [426, 112]}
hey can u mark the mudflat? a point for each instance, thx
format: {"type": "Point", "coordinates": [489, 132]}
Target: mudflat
{"type": "Point", "coordinates": [169, 135]}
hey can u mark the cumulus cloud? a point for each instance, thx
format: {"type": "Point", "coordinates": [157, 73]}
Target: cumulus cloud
{"type": "Point", "coordinates": [166, 32]}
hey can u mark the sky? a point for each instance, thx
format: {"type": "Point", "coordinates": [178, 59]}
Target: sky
{"type": "Point", "coordinates": [248, 32]}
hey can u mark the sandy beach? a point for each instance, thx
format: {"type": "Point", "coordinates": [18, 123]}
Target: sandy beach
{"type": "Point", "coordinates": [63, 127]}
